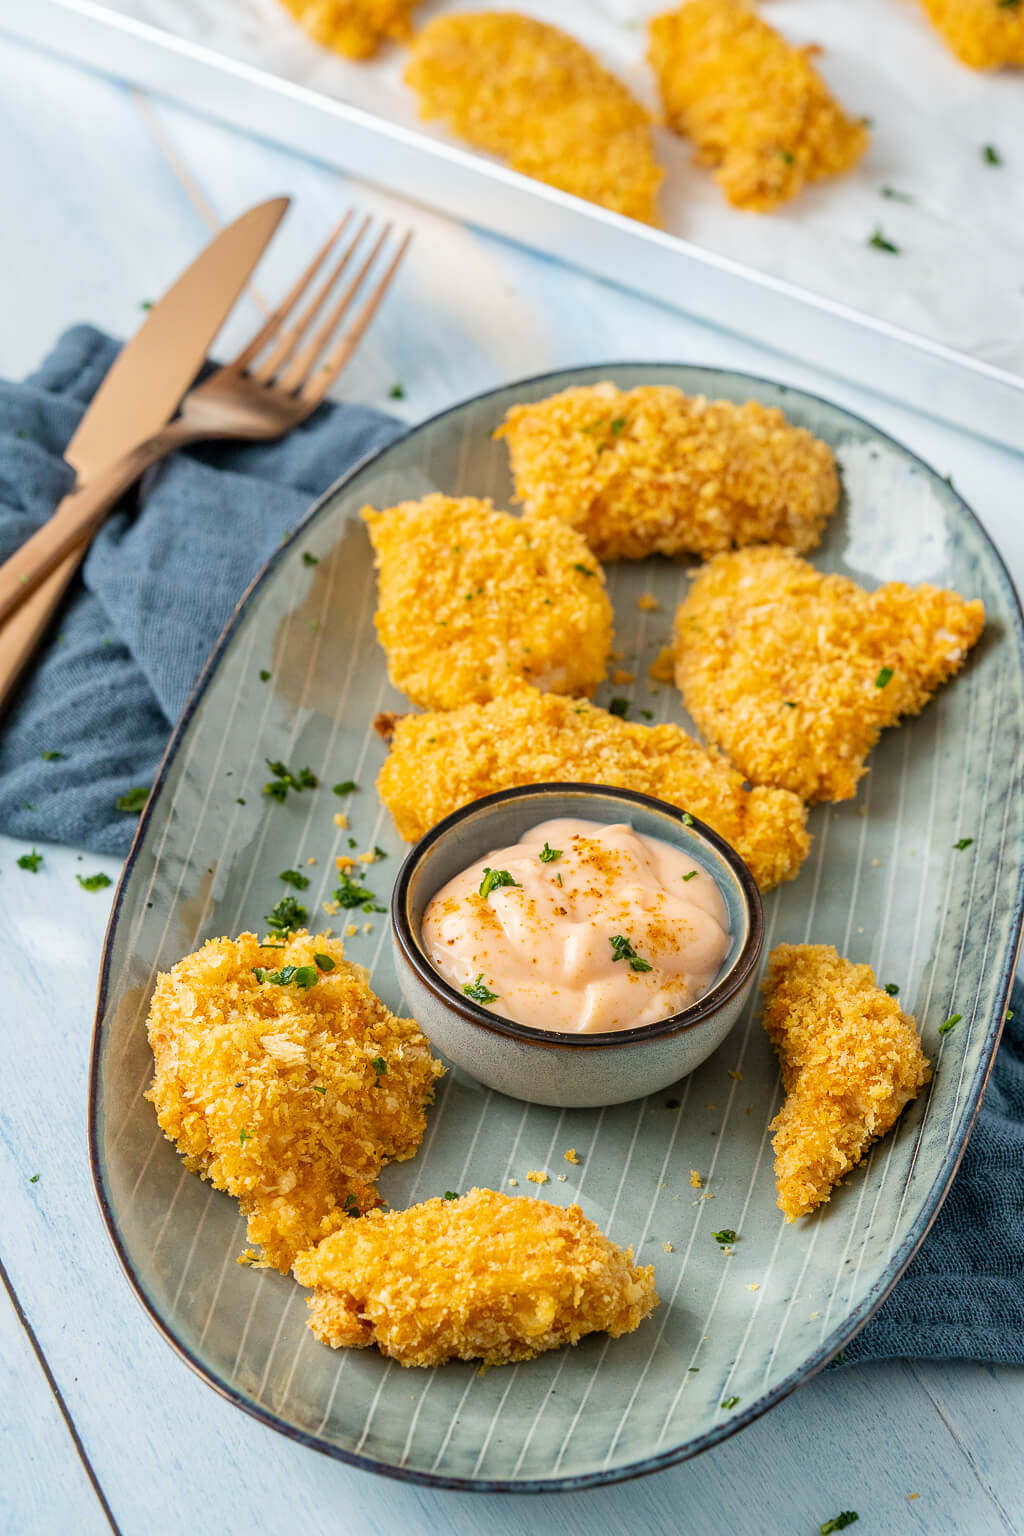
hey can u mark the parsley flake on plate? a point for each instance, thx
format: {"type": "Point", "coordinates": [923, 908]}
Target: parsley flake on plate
{"type": "Point", "coordinates": [93, 882]}
{"type": "Point", "coordinates": [479, 991]}
{"type": "Point", "coordinates": [951, 1023]}
{"type": "Point", "coordinates": [34, 1179]}
{"type": "Point", "coordinates": [397, 391]}
{"type": "Point", "coordinates": [726, 1236]}
{"type": "Point", "coordinates": [264, 675]}
{"type": "Point", "coordinates": [284, 780]}
{"type": "Point", "coordinates": [878, 242]}
{"type": "Point", "coordinates": [896, 197]}
{"type": "Point", "coordinates": [991, 155]}
{"type": "Point", "coordinates": [839, 1522]}
{"type": "Point", "coordinates": [494, 879]}
{"type": "Point", "coordinates": [30, 861]}
{"type": "Point", "coordinates": [549, 855]}
{"type": "Point", "coordinates": [53, 757]}
{"type": "Point", "coordinates": [323, 962]}
{"type": "Point", "coordinates": [686, 819]}
{"type": "Point", "coordinates": [346, 787]}
{"type": "Point", "coordinates": [133, 799]}
{"type": "Point", "coordinates": [286, 915]}
{"type": "Point", "coordinates": [691, 876]}
{"type": "Point", "coordinates": [450, 1194]}
{"type": "Point", "coordinates": [619, 707]}
{"type": "Point", "coordinates": [729, 1402]}
{"type": "Point", "coordinates": [891, 988]}
{"type": "Point", "coordinates": [622, 949]}
{"type": "Point", "coordinates": [294, 877]}
{"type": "Point", "coordinates": [962, 843]}
{"type": "Point", "coordinates": [351, 894]}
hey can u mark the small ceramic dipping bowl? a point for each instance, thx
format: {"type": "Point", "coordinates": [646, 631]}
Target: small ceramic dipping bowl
{"type": "Point", "coordinates": [574, 1071]}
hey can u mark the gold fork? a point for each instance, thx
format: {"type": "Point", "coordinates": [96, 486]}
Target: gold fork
{"type": "Point", "coordinates": [248, 398]}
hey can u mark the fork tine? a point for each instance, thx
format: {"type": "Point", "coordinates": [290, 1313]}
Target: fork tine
{"type": "Point", "coordinates": [351, 338]}
{"type": "Point", "coordinates": [274, 321]}
{"type": "Point", "coordinates": [295, 376]}
{"type": "Point", "coordinates": [290, 339]}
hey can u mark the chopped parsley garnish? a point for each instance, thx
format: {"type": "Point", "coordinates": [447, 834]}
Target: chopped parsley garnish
{"type": "Point", "coordinates": [848, 1516]}
{"type": "Point", "coordinates": [351, 1206]}
{"type": "Point", "coordinates": [351, 894]}
{"type": "Point", "coordinates": [478, 991]}
{"type": "Point", "coordinates": [884, 677]}
{"type": "Point", "coordinates": [962, 843]}
{"type": "Point", "coordinates": [729, 1402]}
{"type": "Point", "coordinates": [786, 156]}
{"type": "Point", "coordinates": [619, 707]}
{"type": "Point", "coordinates": [294, 877]}
{"type": "Point", "coordinates": [951, 1023]}
{"type": "Point", "coordinates": [878, 242]}
{"type": "Point", "coordinates": [284, 780]}
{"type": "Point", "coordinates": [397, 391]}
{"type": "Point", "coordinates": [691, 876]}
{"type": "Point", "coordinates": [308, 559]}
{"type": "Point", "coordinates": [495, 878]}
{"type": "Point", "coordinates": [558, 879]}
{"type": "Point", "coordinates": [288, 914]}
{"type": "Point", "coordinates": [379, 853]}
{"type": "Point", "coordinates": [346, 787]}
{"type": "Point", "coordinates": [244, 1135]}
{"type": "Point", "coordinates": [584, 569]}
{"type": "Point", "coordinates": [617, 425]}
{"type": "Point", "coordinates": [379, 1066]}
{"type": "Point", "coordinates": [30, 861]}
{"type": "Point", "coordinates": [304, 976]}
{"type": "Point", "coordinates": [450, 1194]}
{"type": "Point", "coordinates": [323, 962]}
{"type": "Point", "coordinates": [991, 155]}
{"type": "Point", "coordinates": [648, 714]}
{"type": "Point", "coordinates": [319, 1088]}
{"type": "Point", "coordinates": [789, 703]}
{"type": "Point", "coordinates": [264, 675]}
{"type": "Point", "coordinates": [93, 882]}
{"type": "Point", "coordinates": [891, 988]}
{"type": "Point", "coordinates": [133, 800]}
{"type": "Point", "coordinates": [34, 1179]}
{"type": "Point", "coordinates": [53, 757]}
{"type": "Point", "coordinates": [896, 197]}
{"type": "Point", "coordinates": [727, 1235]}
{"type": "Point", "coordinates": [686, 819]}
{"type": "Point", "coordinates": [549, 855]}
{"type": "Point", "coordinates": [622, 949]}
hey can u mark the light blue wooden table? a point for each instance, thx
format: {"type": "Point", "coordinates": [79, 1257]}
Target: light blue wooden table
{"type": "Point", "coordinates": [106, 195]}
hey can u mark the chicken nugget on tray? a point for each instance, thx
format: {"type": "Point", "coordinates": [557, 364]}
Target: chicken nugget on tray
{"type": "Point", "coordinates": [851, 1060]}
{"type": "Point", "coordinates": [355, 28]}
{"type": "Point", "coordinates": [439, 761]}
{"type": "Point", "coordinates": [795, 674]}
{"type": "Point", "coordinates": [473, 600]}
{"type": "Point", "coordinates": [653, 471]}
{"type": "Point", "coordinates": [284, 1081]}
{"type": "Point", "coordinates": [486, 1277]}
{"type": "Point", "coordinates": [754, 105]}
{"type": "Point", "coordinates": [530, 92]}
{"type": "Point", "coordinates": [984, 34]}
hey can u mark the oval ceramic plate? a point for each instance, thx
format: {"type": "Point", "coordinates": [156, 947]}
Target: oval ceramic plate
{"type": "Point", "coordinates": [883, 883]}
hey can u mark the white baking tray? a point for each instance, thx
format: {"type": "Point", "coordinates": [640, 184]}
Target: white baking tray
{"type": "Point", "coordinates": [941, 326]}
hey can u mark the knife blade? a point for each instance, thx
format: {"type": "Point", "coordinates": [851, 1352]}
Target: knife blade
{"type": "Point", "coordinates": [151, 373]}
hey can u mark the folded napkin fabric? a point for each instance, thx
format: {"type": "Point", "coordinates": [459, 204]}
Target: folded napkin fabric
{"type": "Point", "coordinates": [156, 588]}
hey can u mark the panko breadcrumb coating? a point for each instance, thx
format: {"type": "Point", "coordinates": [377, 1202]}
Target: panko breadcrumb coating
{"type": "Point", "coordinates": [289, 1097]}
{"type": "Point", "coordinates": [754, 105]}
{"type": "Point", "coordinates": [795, 674]}
{"type": "Point", "coordinates": [486, 1277]}
{"type": "Point", "coordinates": [473, 600]}
{"type": "Point", "coordinates": [653, 471]}
{"type": "Point", "coordinates": [984, 34]}
{"type": "Point", "coordinates": [851, 1059]}
{"type": "Point", "coordinates": [355, 28]}
{"type": "Point", "coordinates": [441, 761]}
{"type": "Point", "coordinates": [528, 91]}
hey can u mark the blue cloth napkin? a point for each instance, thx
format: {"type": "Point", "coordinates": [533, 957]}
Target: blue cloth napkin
{"type": "Point", "coordinates": [161, 579]}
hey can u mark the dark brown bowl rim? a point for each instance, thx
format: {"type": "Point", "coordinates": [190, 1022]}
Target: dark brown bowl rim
{"type": "Point", "coordinates": [698, 1013]}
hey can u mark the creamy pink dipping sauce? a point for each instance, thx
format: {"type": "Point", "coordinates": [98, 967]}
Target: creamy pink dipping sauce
{"type": "Point", "coordinates": [604, 929]}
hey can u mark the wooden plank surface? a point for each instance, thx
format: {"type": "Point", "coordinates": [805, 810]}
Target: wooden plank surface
{"type": "Point", "coordinates": [106, 196]}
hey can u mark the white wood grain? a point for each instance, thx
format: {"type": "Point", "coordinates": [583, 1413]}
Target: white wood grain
{"type": "Point", "coordinates": [97, 219]}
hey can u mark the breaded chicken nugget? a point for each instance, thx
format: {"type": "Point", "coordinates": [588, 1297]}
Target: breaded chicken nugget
{"type": "Point", "coordinates": [485, 1277]}
{"type": "Point", "coordinates": [441, 761]}
{"type": "Point", "coordinates": [795, 674]}
{"type": "Point", "coordinates": [473, 600]}
{"type": "Point", "coordinates": [528, 91]}
{"type": "Point", "coordinates": [754, 105]}
{"type": "Point", "coordinates": [986, 34]}
{"type": "Point", "coordinates": [851, 1059]}
{"type": "Point", "coordinates": [355, 28]}
{"type": "Point", "coordinates": [283, 1080]}
{"type": "Point", "coordinates": [652, 471]}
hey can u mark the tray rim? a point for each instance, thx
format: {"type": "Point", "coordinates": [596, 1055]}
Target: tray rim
{"type": "Point", "coordinates": [930, 376]}
{"type": "Point", "coordinates": [899, 1259]}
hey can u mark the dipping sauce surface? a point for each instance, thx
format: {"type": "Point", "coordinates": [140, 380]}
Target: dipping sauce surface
{"type": "Point", "coordinates": [580, 927]}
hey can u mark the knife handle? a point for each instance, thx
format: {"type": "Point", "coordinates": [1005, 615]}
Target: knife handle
{"type": "Point", "coordinates": [21, 635]}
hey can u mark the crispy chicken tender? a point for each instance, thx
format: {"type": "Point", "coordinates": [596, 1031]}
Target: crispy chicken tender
{"type": "Point", "coordinates": [527, 91]}
{"type": "Point", "coordinates": [473, 600]}
{"type": "Point", "coordinates": [355, 28]}
{"type": "Point", "coordinates": [851, 1059]}
{"type": "Point", "coordinates": [441, 761]}
{"type": "Point", "coordinates": [985, 34]}
{"type": "Point", "coordinates": [754, 105]}
{"type": "Point", "coordinates": [289, 1098]}
{"type": "Point", "coordinates": [652, 471]}
{"type": "Point", "coordinates": [795, 674]}
{"type": "Point", "coordinates": [486, 1277]}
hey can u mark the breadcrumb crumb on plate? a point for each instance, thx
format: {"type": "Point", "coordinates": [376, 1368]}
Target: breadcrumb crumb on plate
{"type": "Point", "coordinates": [796, 674]}
{"type": "Point", "coordinates": [270, 1091]}
{"type": "Point", "coordinates": [488, 1277]}
{"type": "Point", "coordinates": [530, 92]}
{"type": "Point", "coordinates": [756, 108]}
{"type": "Point", "coordinates": [473, 600]}
{"type": "Point", "coordinates": [983, 34]}
{"type": "Point", "coordinates": [439, 762]}
{"type": "Point", "coordinates": [650, 471]}
{"type": "Point", "coordinates": [851, 1060]}
{"type": "Point", "coordinates": [355, 28]}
